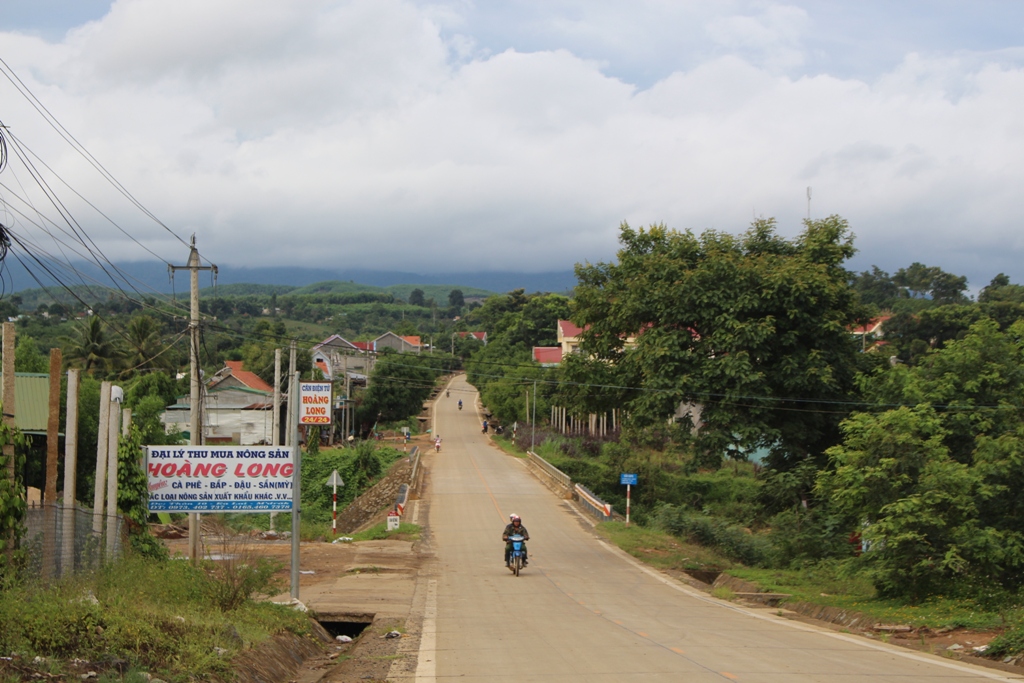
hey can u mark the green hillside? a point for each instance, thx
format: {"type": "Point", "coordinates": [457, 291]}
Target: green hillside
{"type": "Point", "coordinates": [437, 292]}
{"type": "Point", "coordinates": [246, 289]}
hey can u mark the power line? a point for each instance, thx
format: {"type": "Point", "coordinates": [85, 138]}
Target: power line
{"type": "Point", "coordinates": [27, 93]}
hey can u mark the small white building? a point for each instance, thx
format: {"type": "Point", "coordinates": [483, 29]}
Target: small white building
{"type": "Point", "coordinates": [238, 407]}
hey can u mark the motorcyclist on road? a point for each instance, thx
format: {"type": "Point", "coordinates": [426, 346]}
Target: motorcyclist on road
{"type": "Point", "coordinates": [485, 426]}
{"type": "Point", "coordinates": [460, 404]}
{"type": "Point", "coordinates": [515, 526]}
{"type": "Point", "coordinates": [437, 444]}
{"type": "Point", "coordinates": [447, 393]}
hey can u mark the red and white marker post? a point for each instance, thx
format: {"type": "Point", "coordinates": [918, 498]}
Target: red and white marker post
{"type": "Point", "coordinates": [335, 481]}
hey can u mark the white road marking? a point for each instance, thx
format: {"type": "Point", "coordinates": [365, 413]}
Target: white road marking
{"type": "Point", "coordinates": [426, 663]}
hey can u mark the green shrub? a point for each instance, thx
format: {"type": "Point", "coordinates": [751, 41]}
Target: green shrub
{"type": "Point", "coordinates": [735, 542]}
{"type": "Point", "coordinates": [232, 582]}
{"type": "Point", "coordinates": [1010, 642]}
{"type": "Point", "coordinates": [799, 536]}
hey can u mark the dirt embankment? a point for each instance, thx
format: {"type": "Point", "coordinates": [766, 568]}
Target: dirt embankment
{"type": "Point", "coordinates": [377, 500]}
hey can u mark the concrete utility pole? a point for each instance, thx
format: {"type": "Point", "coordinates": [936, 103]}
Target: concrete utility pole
{"type": "Point", "coordinates": [293, 412]}
{"type": "Point", "coordinates": [114, 430]}
{"type": "Point", "coordinates": [291, 437]}
{"type": "Point", "coordinates": [102, 439]}
{"type": "Point", "coordinates": [275, 439]}
{"type": "Point", "coordinates": [67, 553]}
{"type": "Point", "coordinates": [195, 394]}
{"type": "Point", "coordinates": [8, 414]}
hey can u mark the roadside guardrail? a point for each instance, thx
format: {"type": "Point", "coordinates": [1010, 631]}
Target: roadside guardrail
{"type": "Point", "coordinates": [415, 456]}
{"type": "Point", "coordinates": [401, 499]}
{"type": "Point", "coordinates": [556, 475]}
{"type": "Point", "coordinates": [592, 504]}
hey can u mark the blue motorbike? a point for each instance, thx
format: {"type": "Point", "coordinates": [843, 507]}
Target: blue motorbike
{"type": "Point", "coordinates": [515, 557]}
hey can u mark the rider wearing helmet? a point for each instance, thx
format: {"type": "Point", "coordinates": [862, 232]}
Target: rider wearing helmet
{"type": "Point", "coordinates": [515, 526]}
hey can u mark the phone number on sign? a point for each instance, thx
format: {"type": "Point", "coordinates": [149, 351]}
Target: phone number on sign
{"type": "Point", "coordinates": [315, 420]}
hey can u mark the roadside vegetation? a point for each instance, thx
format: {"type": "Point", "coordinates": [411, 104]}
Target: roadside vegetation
{"type": "Point", "coordinates": [878, 472]}
{"type": "Point", "coordinates": [166, 618]}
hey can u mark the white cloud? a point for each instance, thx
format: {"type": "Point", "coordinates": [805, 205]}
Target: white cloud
{"type": "Point", "coordinates": [364, 133]}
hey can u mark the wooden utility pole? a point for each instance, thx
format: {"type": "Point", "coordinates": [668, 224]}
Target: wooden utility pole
{"type": "Point", "coordinates": [195, 394]}
{"type": "Point", "coordinates": [50, 487]}
{"type": "Point", "coordinates": [8, 415]}
{"type": "Point", "coordinates": [53, 429]}
{"type": "Point", "coordinates": [67, 553]}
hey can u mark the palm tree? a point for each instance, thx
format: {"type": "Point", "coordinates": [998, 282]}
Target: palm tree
{"type": "Point", "coordinates": [91, 349]}
{"type": "Point", "coordinates": [144, 350]}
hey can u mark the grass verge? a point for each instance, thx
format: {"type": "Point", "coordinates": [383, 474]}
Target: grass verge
{"type": "Point", "coordinates": [379, 532]}
{"type": "Point", "coordinates": [827, 584]}
{"type": "Point", "coordinates": [506, 444]}
{"type": "Point", "coordinates": [167, 618]}
{"type": "Point", "coordinates": [822, 584]}
{"type": "Point", "coordinates": [662, 550]}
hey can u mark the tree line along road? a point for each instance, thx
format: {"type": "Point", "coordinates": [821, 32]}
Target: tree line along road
{"type": "Point", "coordinates": [583, 611]}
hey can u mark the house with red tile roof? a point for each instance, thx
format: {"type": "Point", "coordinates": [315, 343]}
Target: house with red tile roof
{"type": "Point", "coordinates": [337, 357]}
{"type": "Point", "coordinates": [237, 407]}
{"type": "Point", "coordinates": [872, 333]}
{"type": "Point", "coordinates": [234, 374]}
{"type": "Point", "coordinates": [873, 326]}
{"type": "Point", "coordinates": [569, 334]}
{"type": "Point", "coordinates": [479, 336]}
{"type": "Point", "coordinates": [390, 340]}
{"type": "Point", "coordinates": [547, 356]}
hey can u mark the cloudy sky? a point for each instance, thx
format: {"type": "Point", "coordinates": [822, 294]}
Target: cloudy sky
{"type": "Point", "coordinates": [517, 135]}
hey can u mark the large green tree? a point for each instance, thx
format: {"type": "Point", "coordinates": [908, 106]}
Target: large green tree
{"type": "Point", "coordinates": [398, 386]}
{"type": "Point", "coordinates": [938, 485]}
{"type": "Point", "coordinates": [752, 327]}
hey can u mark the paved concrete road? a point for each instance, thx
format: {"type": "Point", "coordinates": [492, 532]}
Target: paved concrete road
{"type": "Point", "coordinates": [583, 611]}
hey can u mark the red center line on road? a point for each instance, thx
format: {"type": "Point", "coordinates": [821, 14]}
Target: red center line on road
{"type": "Point", "coordinates": [483, 481]}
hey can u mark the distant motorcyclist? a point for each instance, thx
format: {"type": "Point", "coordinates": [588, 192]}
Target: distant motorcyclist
{"type": "Point", "coordinates": [460, 404]}
{"type": "Point", "coordinates": [437, 444]}
{"type": "Point", "coordinates": [485, 426]}
{"type": "Point", "coordinates": [447, 393]}
{"type": "Point", "coordinates": [515, 526]}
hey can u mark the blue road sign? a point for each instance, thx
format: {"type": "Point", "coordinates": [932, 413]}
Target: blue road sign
{"type": "Point", "coordinates": [627, 479]}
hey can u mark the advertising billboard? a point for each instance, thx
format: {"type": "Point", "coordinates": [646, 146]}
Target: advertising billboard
{"type": "Point", "coordinates": [219, 478]}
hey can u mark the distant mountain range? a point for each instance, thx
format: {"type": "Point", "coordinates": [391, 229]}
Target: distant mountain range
{"type": "Point", "coordinates": [147, 276]}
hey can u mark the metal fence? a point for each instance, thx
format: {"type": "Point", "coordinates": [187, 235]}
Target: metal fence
{"type": "Point", "coordinates": [62, 541]}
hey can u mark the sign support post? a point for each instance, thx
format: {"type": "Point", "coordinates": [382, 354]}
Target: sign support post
{"type": "Point", "coordinates": [629, 480]}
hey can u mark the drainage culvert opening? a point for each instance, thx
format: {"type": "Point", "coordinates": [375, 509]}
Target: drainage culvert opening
{"type": "Point", "coordinates": [336, 628]}
{"type": "Point", "coordinates": [707, 576]}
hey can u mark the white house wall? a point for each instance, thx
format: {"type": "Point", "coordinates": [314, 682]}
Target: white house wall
{"type": "Point", "coordinates": [247, 427]}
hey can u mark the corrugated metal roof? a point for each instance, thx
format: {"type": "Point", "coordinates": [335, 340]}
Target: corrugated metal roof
{"type": "Point", "coordinates": [31, 400]}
